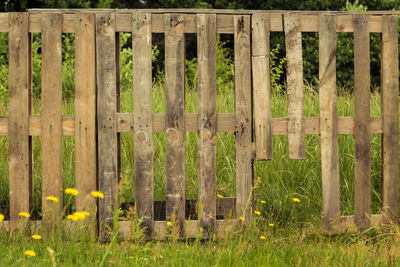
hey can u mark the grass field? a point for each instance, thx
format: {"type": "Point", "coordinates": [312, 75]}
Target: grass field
{"type": "Point", "coordinates": [294, 239]}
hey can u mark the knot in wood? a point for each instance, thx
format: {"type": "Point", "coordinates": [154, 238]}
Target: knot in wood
{"type": "Point", "coordinates": [172, 136]}
{"type": "Point", "coordinates": [141, 137]}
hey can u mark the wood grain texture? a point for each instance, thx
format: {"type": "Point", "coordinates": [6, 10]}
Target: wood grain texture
{"type": "Point", "coordinates": [19, 82]}
{"type": "Point", "coordinates": [262, 86]}
{"type": "Point", "coordinates": [295, 86]}
{"type": "Point", "coordinates": [225, 208]}
{"type": "Point", "coordinates": [207, 120]}
{"type": "Point", "coordinates": [362, 195]}
{"type": "Point", "coordinates": [85, 112]}
{"type": "Point", "coordinates": [328, 123]}
{"type": "Point", "coordinates": [243, 131]}
{"type": "Point", "coordinates": [225, 123]}
{"type": "Point", "coordinates": [51, 121]}
{"type": "Point", "coordinates": [175, 124]}
{"type": "Point", "coordinates": [390, 111]}
{"type": "Point", "coordinates": [223, 228]}
{"type": "Point", "coordinates": [106, 117]}
{"type": "Point", "coordinates": [143, 127]}
{"type": "Point", "coordinates": [308, 19]}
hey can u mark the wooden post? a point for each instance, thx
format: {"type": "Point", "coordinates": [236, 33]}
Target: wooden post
{"type": "Point", "coordinates": [19, 82]}
{"type": "Point", "coordinates": [143, 123]}
{"type": "Point", "coordinates": [175, 127]}
{"type": "Point", "coordinates": [244, 172]}
{"type": "Point", "coordinates": [362, 196]}
{"type": "Point", "coordinates": [390, 111]}
{"type": "Point", "coordinates": [51, 116]}
{"type": "Point", "coordinates": [207, 120]}
{"type": "Point", "coordinates": [85, 112]}
{"type": "Point", "coordinates": [295, 87]}
{"type": "Point", "coordinates": [328, 123]}
{"type": "Point", "coordinates": [106, 118]}
{"type": "Point", "coordinates": [262, 86]}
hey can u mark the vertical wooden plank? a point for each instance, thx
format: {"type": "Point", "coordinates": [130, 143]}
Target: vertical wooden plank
{"type": "Point", "coordinates": [106, 116]}
{"type": "Point", "coordinates": [143, 123]}
{"type": "Point", "coordinates": [328, 122]}
{"type": "Point", "coordinates": [175, 127]}
{"type": "Point", "coordinates": [18, 119]}
{"type": "Point", "coordinates": [295, 86]}
{"type": "Point", "coordinates": [207, 120]}
{"type": "Point", "coordinates": [261, 86]}
{"type": "Point", "coordinates": [85, 111]}
{"type": "Point", "coordinates": [362, 196]}
{"type": "Point", "coordinates": [390, 111]}
{"type": "Point", "coordinates": [244, 173]}
{"type": "Point", "coordinates": [51, 114]}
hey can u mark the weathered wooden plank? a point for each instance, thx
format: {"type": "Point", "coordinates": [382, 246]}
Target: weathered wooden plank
{"type": "Point", "coordinates": [174, 124]}
{"type": "Point", "coordinates": [143, 126]}
{"type": "Point", "coordinates": [226, 123]}
{"type": "Point", "coordinates": [390, 111]}
{"type": "Point", "coordinates": [106, 117]}
{"type": "Point", "coordinates": [51, 121]}
{"type": "Point", "coordinates": [262, 86]}
{"type": "Point", "coordinates": [308, 20]}
{"type": "Point", "coordinates": [225, 207]}
{"type": "Point", "coordinates": [18, 120]}
{"type": "Point", "coordinates": [328, 123]}
{"type": "Point", "coordinates": [362, 195]}
{"type": "Point", "coordinates": [207, 120]}
{"type": "Point", "coordinates": [223, 228]}
{"type": "Point", "coordinates": [85, 108]}
{"type": "Point", "coordinates": [243, 131]}
{"type": "Point", "coordinates": [295, 86]}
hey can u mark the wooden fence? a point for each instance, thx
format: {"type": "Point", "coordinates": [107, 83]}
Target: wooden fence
{"type": "Point", "coordinates": [98, 121]}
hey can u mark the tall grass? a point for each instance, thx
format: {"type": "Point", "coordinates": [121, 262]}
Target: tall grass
{"type": "Point", "coordinates": [277, 181]}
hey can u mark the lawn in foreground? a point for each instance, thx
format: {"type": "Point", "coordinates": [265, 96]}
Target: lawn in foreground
{"type": "Point", "coordinates": [282, 247]}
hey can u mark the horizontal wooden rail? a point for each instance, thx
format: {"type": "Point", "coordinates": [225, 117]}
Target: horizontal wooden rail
{"type": "Point", "coordinates": [192, 228]}
{"type": "Point", "coordinates": [225, 207]}
{"type": "Point", "coordinates": [225, 123]}
{"type": "Point", "coordinates": [309, 23]}
{"type": "Point", "coordinates": [216, 11]}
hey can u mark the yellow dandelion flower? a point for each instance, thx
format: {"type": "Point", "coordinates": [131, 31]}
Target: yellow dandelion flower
{"type": "Point", "coordinates": [97, 194]}
{"type": "Point", "coordinates": [295, 199]}
{"type": "Point", "coordinates": [263, 237]}
{"type": "Point", "coordinates": [169, 223]}
{"type": "Point", "coordinates": [219, 196]}
{"type": "Point", "coordinates": [37, 237]}
{"type": "Point", "coordinates": [241, 218]}
{"type": "Point", "coordinates": [271, 225]}
{"type": "Point", "coordinates": [24, 214]}
{"type": "Point", "coordinates": [257, 212]}
{"type": "Point", "coordinates": [85, 213]}
{"type": "Point", "coordinates": [72, 218]}
{"type": "Point", "coordinates": [52, 198]}
{"type": "Point", "coordinates": [263, 202]}
{"type": "Point", "coordinates": [79, 215]}
{"type": "Point", "coordinates": [71, 191]}
{"type": "Point", "coordinates": [30, 253]}
{"type": "Point", "coordinates": [1, 217]}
